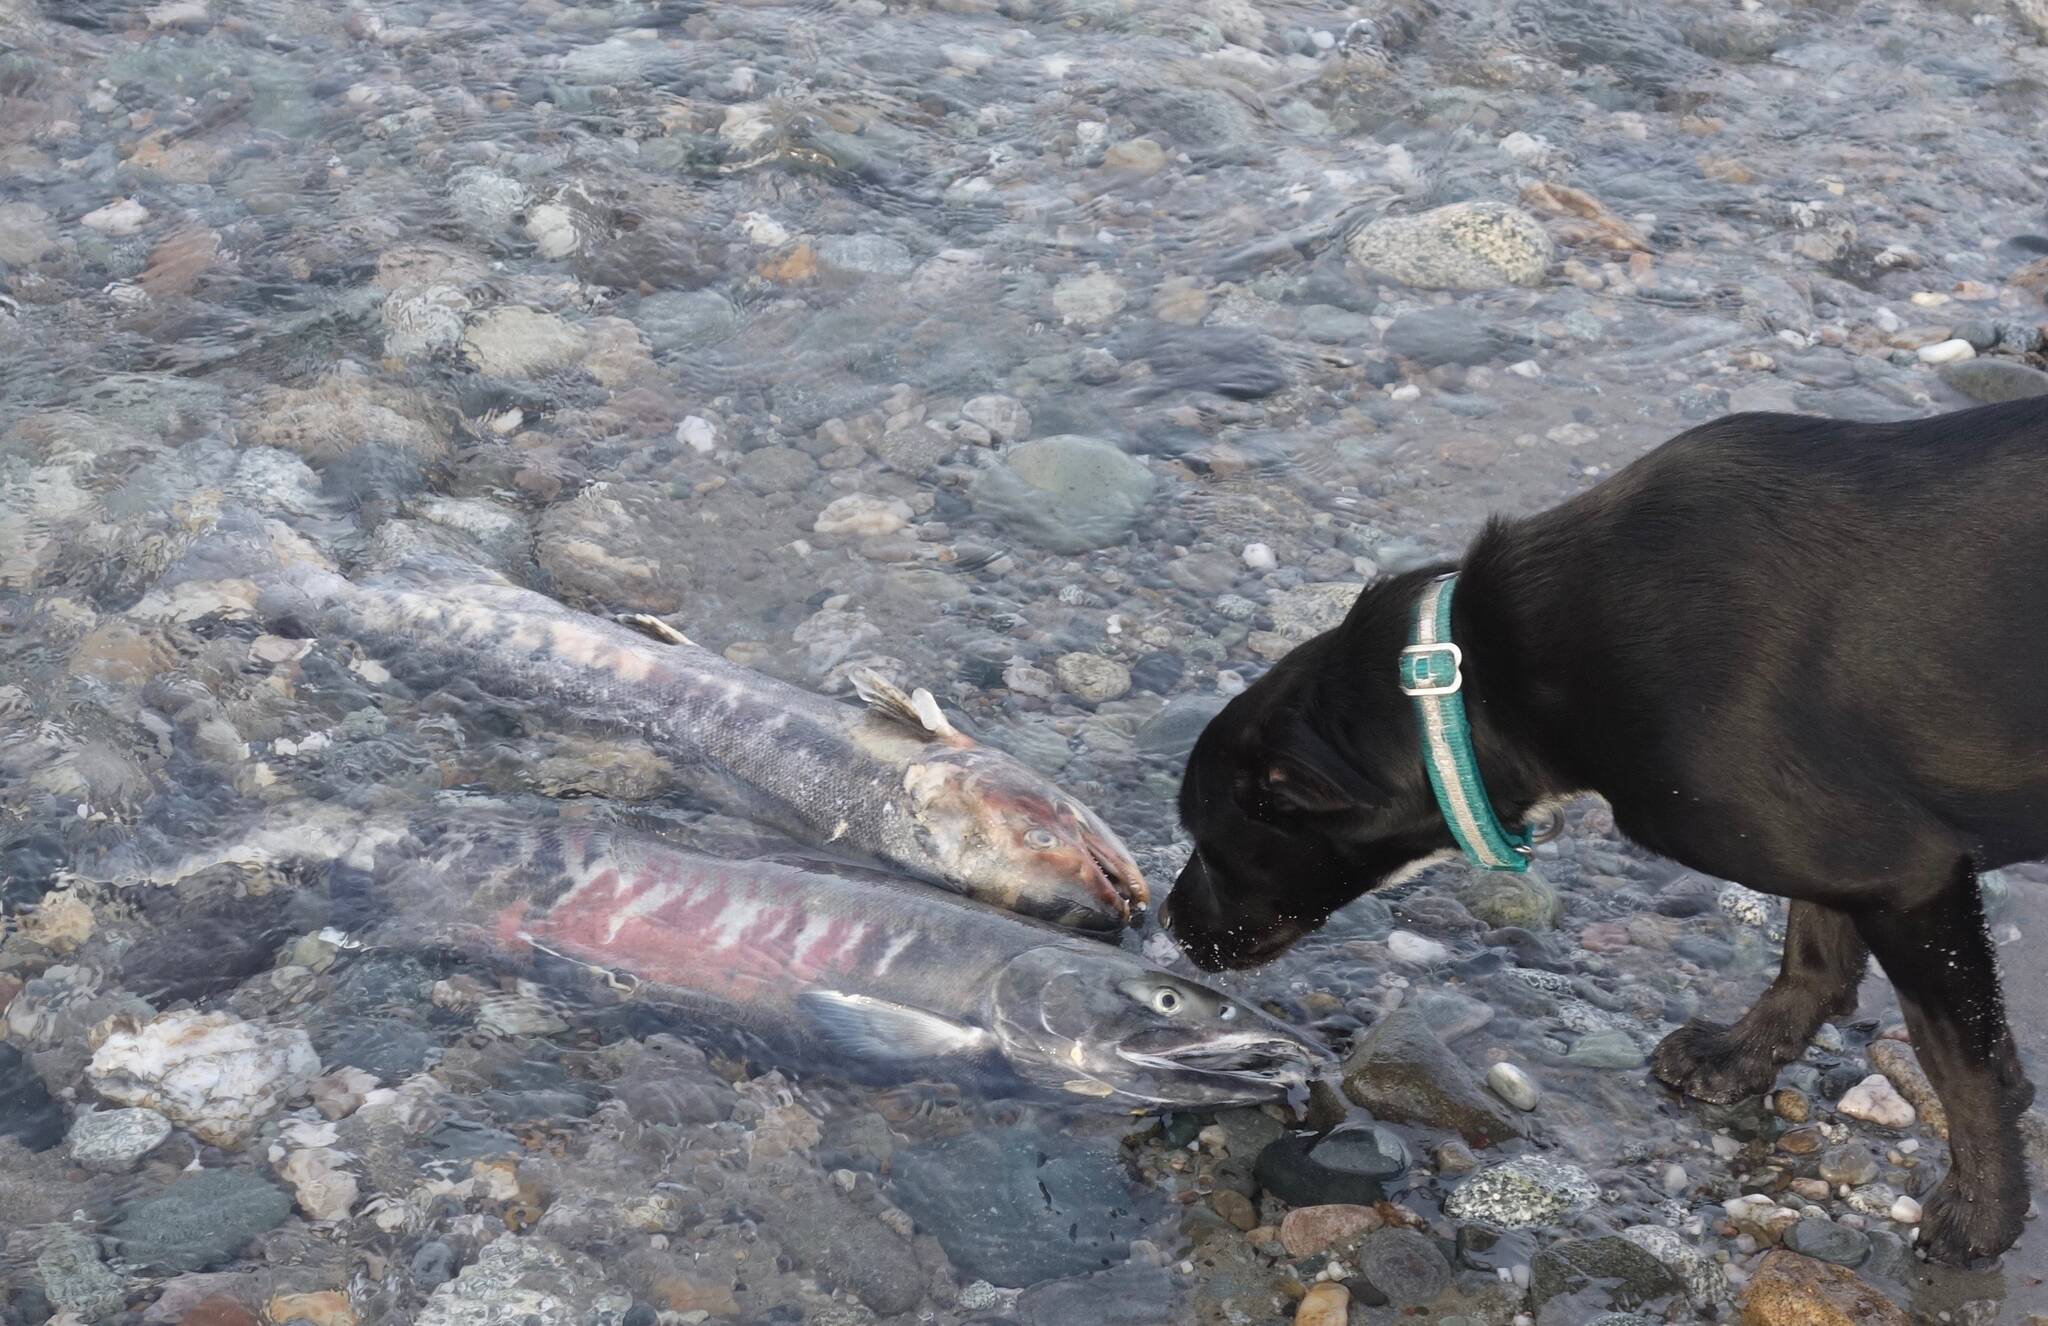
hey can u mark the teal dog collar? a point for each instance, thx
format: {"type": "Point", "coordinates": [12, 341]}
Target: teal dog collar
{"type": "Point", "coordinates": [1432, 674]}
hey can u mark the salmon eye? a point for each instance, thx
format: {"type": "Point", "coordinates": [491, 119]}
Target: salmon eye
{"type": "Point", "coordinates": [1166, 1001]}
{"type": "Point", "coordinates": [1040, 840]}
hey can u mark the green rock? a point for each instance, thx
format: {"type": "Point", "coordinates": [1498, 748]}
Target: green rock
{"type": "Point", "coordinates": [201, 1220]}
{"type": "Point", "coordinates": [1607, 1049]}
{"type": "Point", "coordinates": [1608, 1270]}
{"type": "Point", "coordinates": [1403, 1073]}
{"type": "Point", "coordinates": [1527, 900]}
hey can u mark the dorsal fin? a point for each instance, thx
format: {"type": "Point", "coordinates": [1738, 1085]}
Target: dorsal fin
{"type": "Point", "coordinates": [918, 709]}
{"type": "Point", "coordinates": [647, 624]}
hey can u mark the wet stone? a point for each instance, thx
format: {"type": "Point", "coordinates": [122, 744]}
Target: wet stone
{"type": "Point", "coordinates": [27, 1114]}
{"type": "Point", "coordinates": [1068, 494]}
{"type": "Point", "coordinates": [1607, 1049]}
{"type": "Point", "coordinates": [1618, 1271]}
{"type": "Point", "coordinates": [1826, 1241]}
{"type": "Point", "coordinates": [1525, 1191]}
{"type": "Point", "coordinates": [1991, 381]}
{"type": "Point", "coordinates": [1014, 1207]}
{"type": "Point", "coordinates": [1439, 336]}
{"type": "Point", "coordinates": [1403, 1073]}
{"type": "Point", "coordinates": [1462, 246]}
{"type": "Point", "coordinates": [1404, 1265]}
{"type": "Point", "coordinates": [115, 1141]}
{"type": "Point", "coordinates": [1875, 1100]}
{"type": "Point", "coordinates": [1527, 900]}
{"type": "Point", "coordinates": [1701, 1275]}
{"type": "Point", "coordinates": [200, 1221]}
{"type": "Point", "coordinates": [76, 1281]}
{"type": "Point", "coordinates": [1791, 1290]}
{"type": "Point", "coordinates": [1350, 1165]}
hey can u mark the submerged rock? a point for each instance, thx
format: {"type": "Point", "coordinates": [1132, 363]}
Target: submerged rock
{"type": "Point", "coordinates": [1462, 246]}
{"type": "Point", "coordinates": [211, 1073]}
{"type": "Point", "coordinates": [1704, 1282]}
{"type": "Point", "coordinates": [1404, 1265]}
{"type": "Point", "coordinates": [1525, 1191]}
{"type": "Point", "coordinates": [1349, 1165]}
{"type": "Point", "coordinates": [1790, 1290]}
{"type": "Point", "coordinates": [1403, 1073]}
{"type": "Point", "coordinates": [1068, 494]}
{"type": "Point", "coordinates": [1826, 1241]}
{"type": "Point", "coordinates": [115, 1141]}
{"type": "Point", "coordinates": [200, 1221]}
{"type": "Point", "coordinates": [76, 1281]}
{"type": "Point", "coordinates": [1614, 1268]}
{"type": "Point", "coordinates": [1015, 1207]}
{"type": "Point", "coordinates": [27, 1114]}
{"type": "Point", "coordinates": [522, 1282]}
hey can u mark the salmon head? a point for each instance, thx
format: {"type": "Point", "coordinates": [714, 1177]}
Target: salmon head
{"type": "Point", "coordinates": [999, 831]}
{"type": "Point", "coordinates": [1100, 1024]}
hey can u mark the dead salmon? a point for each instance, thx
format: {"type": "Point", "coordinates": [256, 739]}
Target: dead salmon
{"type": "Point", "coordinates": [893, 780]}
{"type": "Point", "coordinates": [874, 969]}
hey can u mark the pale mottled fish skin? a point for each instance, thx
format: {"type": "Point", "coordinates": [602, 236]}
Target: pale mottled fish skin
{"type": "Point", "coordinates": [948, 811]}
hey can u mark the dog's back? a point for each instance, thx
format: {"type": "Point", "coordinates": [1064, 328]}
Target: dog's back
{"type": "Point", "coordinates": [1870, 600]}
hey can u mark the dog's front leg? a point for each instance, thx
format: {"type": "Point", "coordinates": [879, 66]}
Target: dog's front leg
{"type": "Point", "coordinates": [1823, 965]}
{"type": "Point", "coordinates": [1939, 957]}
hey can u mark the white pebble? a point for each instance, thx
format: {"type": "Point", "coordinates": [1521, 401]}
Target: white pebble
{"type": "Point", "coordinates": [122, 218]}
{"type": "Point", "coordinates": [1514, 1086]}
{"type": "Point", "coordinates": [1676, 1180]}
{"type": "Point", "coordinates": [1407, 946]}
{"type": "Point", "coordinates": [1906, 1211]}
{"type": "Point", "coordinates": [1259, 557]}
{"type": "Point", "coordinates": [696, 433]}
{"type": "Point", "coordinates": [1407, 391]}
{"type": "Point", "coordinates": [1874, 1100]}
{"type": "Point", "coordinates": [1887, 321]}
{"type": "Point", "coordinates": [1947, 352]}
{"type": "Point", "coordinates": [1526, 368]}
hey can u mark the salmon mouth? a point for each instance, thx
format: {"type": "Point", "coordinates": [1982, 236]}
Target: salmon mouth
{"type": "Point", "coordinates": [1117, 880]}
{"type": "Point", "coordinates": [1255, 1059]}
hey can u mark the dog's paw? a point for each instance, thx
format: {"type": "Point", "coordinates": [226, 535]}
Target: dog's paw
{"type": "Point", "coordinates": [1960, 1225]}
{"type": "Point", "coordinates": [1705, 1062]}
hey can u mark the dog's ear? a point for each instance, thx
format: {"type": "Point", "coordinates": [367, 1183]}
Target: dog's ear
{"type": "Point", "coordinates": [1306, 775]}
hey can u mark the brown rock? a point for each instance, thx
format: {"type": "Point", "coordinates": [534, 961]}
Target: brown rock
{"type": "Point", "coordinates": [176, 264]}
{"type": "Point", "coordinates": [1593, 222]}
{"type": "Point", "coordinates": [1236, 1208]}
{"type": "Point", "coordinates": [1311, 1230]}
{"type": "Point", "coordinates": [1901, 1067]}
{"type": "Point", "coordinates": [799, 264]}
{"type": "Point", "coordinates": [329, 1307]}
{"type": "Point", "coordinates": [1325, 1304]}
{"type": "Point", "coordinates": [1791, 1290]}
{"type": "Point", "coordinates": [1802, 1141]}
{"type": "Point", "coordinates": [1792, 1105]}
{"type": "Point", "coordinates": [218, 1310]}
{"type": "Point", "coordinates": [677, 1294]}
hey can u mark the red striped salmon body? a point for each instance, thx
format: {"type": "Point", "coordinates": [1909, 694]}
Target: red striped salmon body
{"type": "Point", "coordinates": [846, 961]}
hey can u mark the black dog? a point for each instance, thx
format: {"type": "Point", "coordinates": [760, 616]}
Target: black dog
{"type": "Point", "coordinates": [1804, 654]}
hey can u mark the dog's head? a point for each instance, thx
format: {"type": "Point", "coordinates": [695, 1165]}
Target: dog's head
{"type": "Point", "coordinates": [1306, 791]}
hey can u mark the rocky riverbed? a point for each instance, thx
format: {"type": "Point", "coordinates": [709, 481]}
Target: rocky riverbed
{"type": "Point", "coordinates": [1072, 358]}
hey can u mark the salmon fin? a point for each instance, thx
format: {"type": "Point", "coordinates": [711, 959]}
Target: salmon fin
{"type": "Point", "coordinates": [918, 709]}
{"type": "Point", "coordinates": [863, 1027]}
{"type": "Point", "coordinates": [648, 624]}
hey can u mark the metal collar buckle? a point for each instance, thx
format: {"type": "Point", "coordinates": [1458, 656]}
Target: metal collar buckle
{"type": "Point", "coordinates": [1420, 669]}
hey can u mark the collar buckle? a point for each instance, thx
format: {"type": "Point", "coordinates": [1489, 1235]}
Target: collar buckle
{"type": "Point", "coordinates": [1432, 669]}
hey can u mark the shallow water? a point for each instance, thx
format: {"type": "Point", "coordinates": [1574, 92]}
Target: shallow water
{"type": "Point", "coordinates": [617, 301]}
